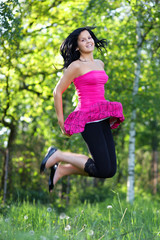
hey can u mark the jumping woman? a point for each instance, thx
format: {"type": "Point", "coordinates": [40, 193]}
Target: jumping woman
{"type": "Point", "coordinates": [94, 116]}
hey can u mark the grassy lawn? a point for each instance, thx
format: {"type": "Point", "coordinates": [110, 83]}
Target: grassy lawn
{"type": "Point", "coordinates": [110, 219]}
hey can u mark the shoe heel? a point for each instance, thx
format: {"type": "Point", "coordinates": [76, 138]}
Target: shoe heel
{"type": "Point", "coordinates": [50, 183]}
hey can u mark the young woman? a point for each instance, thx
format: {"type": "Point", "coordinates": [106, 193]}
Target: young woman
{"type": "Point", "coordinates": [93, 117]}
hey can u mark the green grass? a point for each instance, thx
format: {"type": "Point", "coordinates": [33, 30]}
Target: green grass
{"type": "Point", "coordinates": [111, 219]}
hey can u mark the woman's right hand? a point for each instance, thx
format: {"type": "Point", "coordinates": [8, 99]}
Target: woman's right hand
{"type": "Point", "coordinates": [69, 74]}
{"type": "Point", "coordinates": [66, 134]}
{"type": "Point", "coordinates": [63, 130]}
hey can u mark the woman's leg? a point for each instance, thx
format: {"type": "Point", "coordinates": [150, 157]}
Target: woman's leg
{"type": "Point", "coordinates": [104, 163]}
{"type": "Point", "coordinates": [75, 166]}
{"type": "Point", "coordinates": [66, 170]}
{"type": "Point", "coordinates": [111, 147]}
{"type": "Point", "coordinates": [98, 137]}
{"type": "Point", "coordinates": [77, 160]}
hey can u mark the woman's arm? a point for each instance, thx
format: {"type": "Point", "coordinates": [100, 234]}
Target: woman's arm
{"type": "Point", "coordinates": [69, 74]}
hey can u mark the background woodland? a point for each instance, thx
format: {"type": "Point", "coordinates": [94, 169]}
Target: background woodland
{"type": "Point", "coordinates": [31, 33]}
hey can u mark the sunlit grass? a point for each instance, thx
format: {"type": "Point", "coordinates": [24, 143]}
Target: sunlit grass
{"type": "Point", "coordinates": [111, 219]}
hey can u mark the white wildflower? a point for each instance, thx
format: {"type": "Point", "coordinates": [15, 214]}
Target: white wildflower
{"type": "Point", "coordinates": [67, 228]}
{"type": "Point", "coordinates": [67, 217]}
{"type": "Point", "coordinates": [7, 220]}
{"type": "Point", "coordinates": [31, 232]}
{"type": "Point", "coordinates": [109, 206]}
{"type": "Point", "coordinates": [91, 233]}
{"type": "Point", "coordinates": [62, 216]}
{"type": "Point", "coordinates": [25, 217]}
{"type": "Point", "coordinates": [43, 238]}
{"type": "Point", "coordinates": [49, 209]}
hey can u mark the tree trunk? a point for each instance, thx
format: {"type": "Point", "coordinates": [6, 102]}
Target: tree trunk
{"type": "Point", "coordinates": [132, 132]}
{"type": "Point", "coordinates": [6, 175]}
{"type": "Point", "coordinates": [8, 160]}
{"type": "Point", "coordinates": [3, 151]}
{"type": "Point", "coordinates": [154, 163]}
{"type": "Point", "coordinates": [155, 171]}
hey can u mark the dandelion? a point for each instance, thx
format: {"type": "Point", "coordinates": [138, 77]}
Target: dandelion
{"type": "Point", "coordinates": [67, 228]}
{"type": "Point", "coordinates": [109, 206]}
{"type": "Point", "coordinates": [43, 238]}
{"type": "Point", "coordinates": [91, 233]}
{"type": "Point", "coordinates": [49, 209]}
{"type": "Point", "coordinates": [31, 232]}
{"type": "Point", "coordinates": [62, 216]}
{"type": "Point", "coordinates": [25, 217]}
{"type": "Point", "coordinates": [67, 217]}
{"type": "Point", "coordinates": [7, 220]}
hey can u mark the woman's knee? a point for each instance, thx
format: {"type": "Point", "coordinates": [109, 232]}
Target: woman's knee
{"type": "Point", "coordinates": [106, 173]}
{"type": "Point", "coordinates": [112, 173]}
{"type": "Point", "coordinates": [99, 172]}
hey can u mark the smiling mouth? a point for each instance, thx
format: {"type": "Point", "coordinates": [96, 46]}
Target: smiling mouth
{"type": "Point", "coordinates": [90, 45]}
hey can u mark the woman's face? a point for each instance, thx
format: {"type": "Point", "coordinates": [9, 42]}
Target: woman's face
{"type": "Point", "coordinates": [85, 42]}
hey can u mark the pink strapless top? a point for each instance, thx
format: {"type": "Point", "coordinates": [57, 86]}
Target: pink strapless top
{"type": "Point", "coordinates": [92, 106]}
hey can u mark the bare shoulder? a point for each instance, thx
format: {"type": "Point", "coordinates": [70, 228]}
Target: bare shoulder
{"type": "Point", "coordinates": [100, 62]}
{"type": "Point", "coordinates": [69, 74]}
{"type": "Point", "coordinates": [74, 66]}
{"type": "Point", "coordinates": [72, 69]}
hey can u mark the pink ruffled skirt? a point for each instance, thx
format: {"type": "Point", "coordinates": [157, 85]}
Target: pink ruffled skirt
{"type": "Point", "coordinates": [76, 121]}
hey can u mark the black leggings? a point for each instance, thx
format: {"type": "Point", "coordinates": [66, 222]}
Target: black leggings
{"type": "Point", "coordinates": [99, 139]}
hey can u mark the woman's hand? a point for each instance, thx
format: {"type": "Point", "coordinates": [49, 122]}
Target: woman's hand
{"type": "Point", "coordinates": [63, 130]}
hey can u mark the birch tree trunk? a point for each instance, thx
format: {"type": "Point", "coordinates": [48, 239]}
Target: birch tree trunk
{"type": "Point", "coordinates": [132, 132]}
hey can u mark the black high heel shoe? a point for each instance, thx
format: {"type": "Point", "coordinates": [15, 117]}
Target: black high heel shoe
{"type": "Point", "coordinates": [51, 150]}
{"type": "Point", "coordinates": [53, 170]}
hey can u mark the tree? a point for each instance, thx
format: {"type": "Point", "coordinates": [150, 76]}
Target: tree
{"type": "Point", "coordinates": [10, 34]}
{"type": "Point", "coordinates": [142, 32]}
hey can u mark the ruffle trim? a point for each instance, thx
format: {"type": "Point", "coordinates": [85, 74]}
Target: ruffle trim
{"type": "Point", "coordinates": [76, 121]}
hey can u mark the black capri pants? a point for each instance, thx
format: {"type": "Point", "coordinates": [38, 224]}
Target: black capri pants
{"type": "Point", "coordinates": [99, 139]}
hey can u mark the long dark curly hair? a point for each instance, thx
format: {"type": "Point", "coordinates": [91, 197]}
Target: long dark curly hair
{"type": "Point", "coordinates": [69, 50]}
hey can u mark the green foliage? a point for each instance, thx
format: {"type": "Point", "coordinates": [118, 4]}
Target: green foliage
{"type": "Point", "coordinates": [10, 20]}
